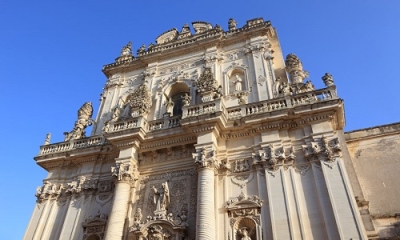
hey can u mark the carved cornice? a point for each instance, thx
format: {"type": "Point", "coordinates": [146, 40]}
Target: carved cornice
{"type": "Point", "coordinates": [211, 37]}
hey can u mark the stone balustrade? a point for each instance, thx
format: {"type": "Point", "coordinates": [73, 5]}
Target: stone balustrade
{"type": "Point", "coordinates": [194, 111]}
{"type": "Point", "coordinates": [71, 145]}
{"type": "Point", "coordinates": [202, 108]}
{"type": "Point", "coordinates": [128, 124]}
{"type": "Point", "coordinates": [165, 123]}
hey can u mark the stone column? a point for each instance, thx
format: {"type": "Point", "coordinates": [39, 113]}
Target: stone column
{"type": "Point", "coordinates": [119, 209]}
{"type": "Point", "coordinates": [124, 174]}
{"type": "Point", "coordinates": [205, 219]}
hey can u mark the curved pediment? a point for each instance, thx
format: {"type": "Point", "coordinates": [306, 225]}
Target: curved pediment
{"type": "Point", "coordinates": [243, 201]}
{"type": "Point", "coordinates": [200, 26]}
{"type": "Point", "coordinates": [167, 36]}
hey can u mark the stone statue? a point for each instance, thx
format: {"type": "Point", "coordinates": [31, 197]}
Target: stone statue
{"type": "Point", "coordinates": [238, 83]}
{"type": "Point", "coordinates": [169, 105]}
{"type": "Point", "coordinates": [106, 126]}
{"type": "Point", "coordinates": [161, 196]}
{"type": "Point", "coordinates": [116, 114]}
{"type": "Point", "coordinates": [232, 24]}
{"type": "Point", "coordinates": [47, 140]}
{"type": "Point", "coordinates": [137, 218]}
{"type": "Point", "coordinates": [309, 86]}
{"type": "Point", "coordinates": [245, 235]}
{"type": "Point", "coordinates": [84, 120]}
{"type": "Point", "coordinates": [127, 49]}
{"type": "Point", "coordinates": [328, 80]}
{"type": "Point", "coordinates": [186, 99]}
{"type": "Point", "coordinates": [127, 111]}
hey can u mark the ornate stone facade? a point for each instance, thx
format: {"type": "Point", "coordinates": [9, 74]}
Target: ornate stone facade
{"type": "Point", "coordinates": [218, 137]}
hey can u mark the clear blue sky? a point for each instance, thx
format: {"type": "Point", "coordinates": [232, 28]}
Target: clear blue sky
{"type": "Point", "coordinates": [52, 52]}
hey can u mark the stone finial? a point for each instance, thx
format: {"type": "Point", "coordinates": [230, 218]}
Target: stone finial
{"type": "Point", "coordinates": [47, 140]}
{"type": "Point", "coordinates": [142, 49]}
{"type": "Point", "coordinates": [294, 68]}
{"type": "Point", "coordinates": [232, 24]}
{"type": "Point", "coordinates": [328, 80]}
{"type": "Point", "coordinates": [126, 50]}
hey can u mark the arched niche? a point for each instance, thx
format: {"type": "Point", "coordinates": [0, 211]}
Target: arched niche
{"type": "Point", "coordinates": [244, 213]}
{"type": "Point", "coordinates": [236, 79]}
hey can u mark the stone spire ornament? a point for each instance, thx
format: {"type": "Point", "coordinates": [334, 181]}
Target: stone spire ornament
{"type": "Point", "coordinates": [47, 140]}
{"type": "Point", "coordinates": [232, 24]}
{"type": "Point", "coordinates": [126, 53]}
{"type": "Point", "coordinates": [294, 68]}
{"type": "Point", "coordinates": [84, 120]}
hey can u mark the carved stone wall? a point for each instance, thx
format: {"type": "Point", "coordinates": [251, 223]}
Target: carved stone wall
{"type": "Point", "coordinates": [183, 193]}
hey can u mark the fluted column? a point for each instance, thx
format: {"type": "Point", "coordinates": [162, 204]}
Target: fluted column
{"type": "Point", "coordinates": [124, 174]}
{"type": "Point", "coordinates": [205, 219]}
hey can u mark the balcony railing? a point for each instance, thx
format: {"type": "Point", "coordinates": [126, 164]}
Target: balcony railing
{"type": "Point", "coordinates": [281, 103]}
{"type": "Point", "coordinates": [203, 108]}
{"type": "Point", "coordinates": [71, 145]}
{"type": "Point", "coordinates": [165, 123]}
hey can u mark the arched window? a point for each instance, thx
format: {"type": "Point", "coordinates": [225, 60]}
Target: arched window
{"type": "Point", "coordinates": [175, 94]}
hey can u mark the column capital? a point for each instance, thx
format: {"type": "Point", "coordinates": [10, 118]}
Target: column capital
{"type": "Point", "coordinates": [124, 172]}
{"type": "Point", "coordinates": [205, 158]}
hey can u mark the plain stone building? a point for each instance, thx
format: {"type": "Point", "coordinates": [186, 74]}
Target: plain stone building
{"type": "Point", "coordinates": [213, 134]}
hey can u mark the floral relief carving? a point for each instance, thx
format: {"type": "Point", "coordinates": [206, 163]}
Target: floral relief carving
{"type": "Point", "coordinates": [139, 100]}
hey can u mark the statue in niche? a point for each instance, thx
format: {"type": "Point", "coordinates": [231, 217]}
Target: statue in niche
{"type": "Point", "coordinates": [127, 111]}
{"type": "Point", "coordinates": [84, 120]}
{"type": "Point", "coordinates": [161, 196]}
{"type": "Point", "coordinates": [245, 234]}
{"type": "Point", "coordinates": [238, 83]}
{"type": "Point", "coordinates": [169, 104]}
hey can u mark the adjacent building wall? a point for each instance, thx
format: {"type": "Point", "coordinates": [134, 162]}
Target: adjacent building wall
{"type": "Point", "coordinates": [375, 155]}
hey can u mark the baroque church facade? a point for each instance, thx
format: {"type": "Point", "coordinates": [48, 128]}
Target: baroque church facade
{"type": "Point", "coordinates": [213, 134]}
